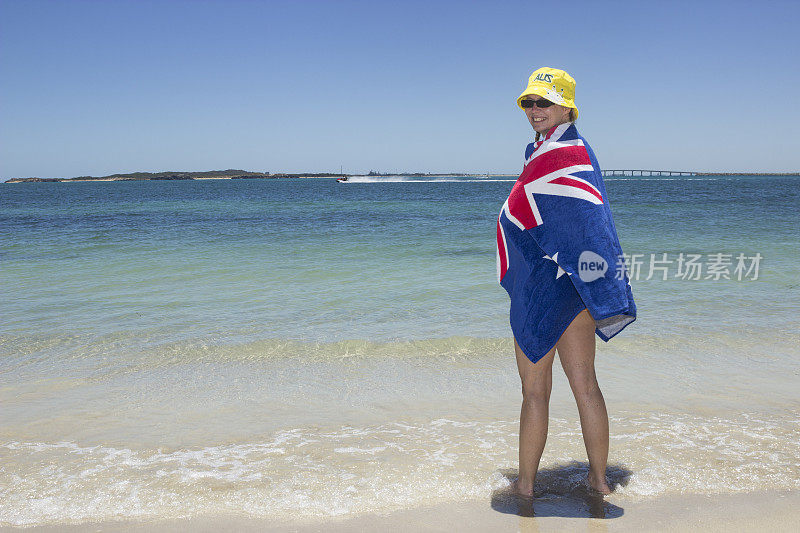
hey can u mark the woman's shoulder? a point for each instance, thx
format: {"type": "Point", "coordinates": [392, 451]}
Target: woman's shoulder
{"type": "Point", "coordinates": [571, 133]}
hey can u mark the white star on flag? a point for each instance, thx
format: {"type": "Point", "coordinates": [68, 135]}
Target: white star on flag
{"type": "Point", "coordinates": [560, 270]}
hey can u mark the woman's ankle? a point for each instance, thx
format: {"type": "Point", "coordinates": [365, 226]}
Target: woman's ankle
{"type": "Point", "coordinates": [598, 482]}
{"type": "Point", "coordinates": [523, 487]}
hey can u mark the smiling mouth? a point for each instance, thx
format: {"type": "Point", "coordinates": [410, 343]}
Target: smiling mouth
{"type": "Point", "coordinates": [538, 119]}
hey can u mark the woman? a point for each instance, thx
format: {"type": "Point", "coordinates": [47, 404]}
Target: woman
{"type": "Point", "coordinates": [559, 258]}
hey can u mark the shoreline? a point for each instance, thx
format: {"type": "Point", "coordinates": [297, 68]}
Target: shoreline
{"type": "Point", "coordinates": [760, 510]}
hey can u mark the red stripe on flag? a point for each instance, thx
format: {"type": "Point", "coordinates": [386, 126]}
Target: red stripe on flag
{"type": "Point", "coordinates": [501, 251]}
{"type": "Point", "coordinates": [554, 160]}
{"type": "Point", "coordinates": [519, 206]}
{"type": "Point", "coordinates": [564, 180]}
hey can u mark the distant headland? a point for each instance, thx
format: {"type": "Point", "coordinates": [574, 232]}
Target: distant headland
{"type": "Point", "coordinates": [229, 174]}
{"type": "Point", "coordinates": [171, 175]}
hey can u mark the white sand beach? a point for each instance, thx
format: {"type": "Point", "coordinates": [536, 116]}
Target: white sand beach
{"type": "Point", "coordinates": [758, 511]}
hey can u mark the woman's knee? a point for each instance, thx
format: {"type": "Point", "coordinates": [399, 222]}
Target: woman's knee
{"type": "Point", "coordinates": [537, 378]}
{"type": "Point", "coordinates": [537, 388]}
{"type": "Point", "coordinates": [584, 384]}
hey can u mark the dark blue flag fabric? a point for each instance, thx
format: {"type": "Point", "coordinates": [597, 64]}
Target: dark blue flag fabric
{"type": "Point", "coordinates": [557, 247]}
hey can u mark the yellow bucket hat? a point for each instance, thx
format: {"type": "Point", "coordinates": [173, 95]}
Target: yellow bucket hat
{"type": "Point", "coordinates": [553, 84]}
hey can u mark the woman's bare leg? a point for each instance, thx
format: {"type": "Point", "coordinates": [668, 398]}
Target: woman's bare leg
{"type": "Point", "coordinates": [537, 381]}
{"type": "Point", "coordinates": [576, 350]}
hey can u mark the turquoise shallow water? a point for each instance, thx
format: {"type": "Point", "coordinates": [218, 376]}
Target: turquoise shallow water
{"type": "Point", "coordinates": [173, 347]}
{"type": "Point", "coordinates": [316, 260]}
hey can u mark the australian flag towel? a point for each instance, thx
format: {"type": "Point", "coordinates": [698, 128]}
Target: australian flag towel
{"type": "Point", "coordinates": [557, 247]}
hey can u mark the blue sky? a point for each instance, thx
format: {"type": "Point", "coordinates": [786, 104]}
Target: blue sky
{"type": "Point", "coordinates": [94, 88]}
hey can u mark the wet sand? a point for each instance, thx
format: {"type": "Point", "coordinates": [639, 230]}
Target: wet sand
{"type": "Point", "coordinates": [759, 511]}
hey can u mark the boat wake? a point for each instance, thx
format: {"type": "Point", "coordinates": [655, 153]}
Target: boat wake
{"type": "Point", "coordinates": [415, 179]}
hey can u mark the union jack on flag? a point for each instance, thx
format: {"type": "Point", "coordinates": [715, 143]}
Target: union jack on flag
{"type": "Point", "coordinates": [555, 240]}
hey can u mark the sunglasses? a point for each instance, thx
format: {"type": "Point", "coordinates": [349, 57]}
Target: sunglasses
{"type": "Point", "coordinates": [541, 103]}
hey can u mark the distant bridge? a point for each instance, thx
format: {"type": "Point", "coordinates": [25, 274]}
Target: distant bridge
{"type": "Point", "coordinates": [648, 173]}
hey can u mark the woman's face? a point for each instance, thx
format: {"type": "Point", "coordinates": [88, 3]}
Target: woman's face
{"type": "Point", "coordinates": [544, 118]}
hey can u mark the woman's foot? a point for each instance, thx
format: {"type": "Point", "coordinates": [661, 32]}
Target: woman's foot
{"type": "Point", "coordinates": [597, 485]}
{"type": "Point", "coordinates": [522, 489]}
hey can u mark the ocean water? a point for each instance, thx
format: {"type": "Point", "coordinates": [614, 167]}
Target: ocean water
{"type": "Point", "coordinates": [302, 348]}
